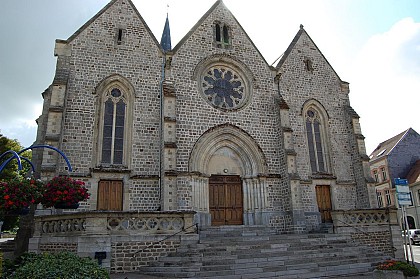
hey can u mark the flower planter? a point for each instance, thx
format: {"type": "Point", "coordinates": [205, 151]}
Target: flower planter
{"type": "Point", "coordinates": [388, 274]}
{"type": "Point", "coordinates": [17, 194]}
{"type": "Point", "coordinates": [19, 211]}
{"type": "Point", "coordinates": [63, 205]}
{"type": "Point", "coordinates": [63, 192]}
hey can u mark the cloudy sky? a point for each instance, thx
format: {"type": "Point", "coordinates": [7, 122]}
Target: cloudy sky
{"type": "Point", "coordinates": [372, 44]}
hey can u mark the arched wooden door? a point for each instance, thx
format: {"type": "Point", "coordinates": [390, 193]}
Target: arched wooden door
{"type": "Point", "coordinates": [225, 200]}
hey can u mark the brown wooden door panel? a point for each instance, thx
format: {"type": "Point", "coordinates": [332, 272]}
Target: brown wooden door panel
{"type": "Point", "coordinates": [226, 200]}
{"type": "Point", "coordinates": [323, 198]}
{"type": "Point", "coordinates": [110, 195]}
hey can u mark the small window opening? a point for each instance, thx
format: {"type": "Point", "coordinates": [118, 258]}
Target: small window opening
{"type": "Point", "coordinates": [225, 35]}
{"type": "Point", "coordinates": [309, 65]}
{"type": "Point", "coordinates": [120, 36]}
{"type": "Point", "coordinates": [218, 33]}
{"type": "Point", "coordinates": [221, 34]}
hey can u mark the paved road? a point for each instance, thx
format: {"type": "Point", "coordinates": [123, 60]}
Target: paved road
{"type": "Point", "coordinates": [5, 239]}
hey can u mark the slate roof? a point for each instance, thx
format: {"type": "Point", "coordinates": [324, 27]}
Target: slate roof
{"type": "Point", "coordinates": [165, 41]}
{"type": "Point", "coordinates": [384, 148]}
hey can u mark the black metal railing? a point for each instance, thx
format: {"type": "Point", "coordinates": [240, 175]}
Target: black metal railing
{"type": "Point", "coordinates": [350, 225]}
{"type": "Point", "coordinates": [166, 238]}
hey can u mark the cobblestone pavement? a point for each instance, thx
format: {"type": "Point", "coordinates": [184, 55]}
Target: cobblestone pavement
{"type": "Point", "coordinates": [141, 276]}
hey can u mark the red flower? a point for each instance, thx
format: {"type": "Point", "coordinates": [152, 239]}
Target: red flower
{"type": "Point", "coordinates": [19, 192]}
{"type": "Point", "coordinates": [64, 189]}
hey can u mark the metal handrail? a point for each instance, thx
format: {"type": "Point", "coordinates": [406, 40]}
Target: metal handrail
{"type": "Point", "coordinates": [365, 233]}
{"type": "Point", "coordinates": [169, 236]}
{"type": "Point", "coordinates": [356, 228]}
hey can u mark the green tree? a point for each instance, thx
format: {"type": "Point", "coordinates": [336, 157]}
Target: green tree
{"type": "Point", "coordinates": [11, 170]}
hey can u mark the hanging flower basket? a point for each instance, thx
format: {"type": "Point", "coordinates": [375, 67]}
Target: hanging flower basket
{"type": "Point", "coordinates": [64, 192]}
{"type": "Point", "coordinates": [16, 195]}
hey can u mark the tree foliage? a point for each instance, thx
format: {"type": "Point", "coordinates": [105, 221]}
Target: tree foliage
{"type": "Point", "coordinates": [11, 170]}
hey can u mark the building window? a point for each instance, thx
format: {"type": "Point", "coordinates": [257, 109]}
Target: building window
{"type": "Point", "coordinates": [308, 65]}
{"type": "Point", "coordinates": [113, 128]}
{"type": "Point", "coordinates": [375, 176]}
{"type": "Point", "coordinates": [388, 198]}
{"type": "Point", "coordinates": [383, 171]}
{"type": "Point", "coordinates": [221, 35]}
{"type": "Point", "coordinates": [114, 120]}
{"type": "Point", "coordinates": [379, 199]}
{"type": "Point", "coordinates": [120, 36]}
{"type": "Point", "coordinates": [316, 144]}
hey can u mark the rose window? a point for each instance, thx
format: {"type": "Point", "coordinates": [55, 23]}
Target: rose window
{"type": "Point", "coordinates": [223, 88]}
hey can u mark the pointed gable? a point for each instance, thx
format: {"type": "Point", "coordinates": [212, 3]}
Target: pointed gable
{"type": "Point", "coordinates": [302, 38]}
{"type": "Point", "coordinates": [219, 13]}
{"type": "Point", "coordinates": [119, 11]}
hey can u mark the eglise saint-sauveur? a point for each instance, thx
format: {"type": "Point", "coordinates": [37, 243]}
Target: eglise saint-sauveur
{"type": "Point", "coordinates": [204, 160]}
{"type": "Point", "coordinates": [205, 126]}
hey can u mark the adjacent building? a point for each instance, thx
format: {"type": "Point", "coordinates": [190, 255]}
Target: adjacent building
{"type": "Point", "coordinates": [413, 210]}
{"type": "Point", "coordinates": [394, 158]}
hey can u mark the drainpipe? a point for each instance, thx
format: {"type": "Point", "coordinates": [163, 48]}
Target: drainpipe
{"type": "Point", "coordinates": [162, 144]}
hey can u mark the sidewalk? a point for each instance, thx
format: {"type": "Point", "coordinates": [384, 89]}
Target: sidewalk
{"type": "Point", "coordinates": [141, 276]}
{"type": "Point", "coordinates": [134, 276]}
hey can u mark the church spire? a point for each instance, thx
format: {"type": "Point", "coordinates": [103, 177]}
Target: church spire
{"type": "Point", "coordinates": [165, 42]}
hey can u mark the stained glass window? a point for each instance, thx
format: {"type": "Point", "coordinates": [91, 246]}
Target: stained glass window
{"type": "Point", "coordinates": [223, 88]}
{"type": "Point", "coordinates": [113, 128]}
{"type": "Point", "coordinates": [315, 142]}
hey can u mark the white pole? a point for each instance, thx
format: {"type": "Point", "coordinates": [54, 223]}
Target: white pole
{"type": "Point", "coordinates": [406, 233]}
{"type": "Point", "coordinates": [409, 242]}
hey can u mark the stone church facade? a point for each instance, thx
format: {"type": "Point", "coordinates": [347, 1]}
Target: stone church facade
{"type": "Point", "coordinates": [207, 126]}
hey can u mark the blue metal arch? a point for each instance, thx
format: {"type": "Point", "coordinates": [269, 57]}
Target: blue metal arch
{"type": "Point", "coordinates": [18, 157]}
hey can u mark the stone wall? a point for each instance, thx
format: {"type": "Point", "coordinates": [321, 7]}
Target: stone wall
{"type": "Point", "coordinates": [129, 256]}
{"type": "Point", "coordinates": [129, 239]}
{"type": "Point", "coordinates": [377, 228]}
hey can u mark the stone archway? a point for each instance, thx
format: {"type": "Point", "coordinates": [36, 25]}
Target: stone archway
{"type": "Point", "coordinates": [229, 151]}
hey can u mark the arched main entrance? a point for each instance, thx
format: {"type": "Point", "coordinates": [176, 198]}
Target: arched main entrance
{"type": "Point", "coordinates": [228, 184]}
{"type": "Point", "coordinates": [225, 200]}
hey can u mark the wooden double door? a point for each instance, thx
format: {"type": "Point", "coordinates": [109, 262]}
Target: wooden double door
{"type": "Point", "coordinates": [323, 198]}
{"type": "Point", "coordinates": [110, 195]}
{"type": "Point", "coordinates": [225, 200]}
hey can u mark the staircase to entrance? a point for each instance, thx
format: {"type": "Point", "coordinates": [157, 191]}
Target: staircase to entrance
{"type": "Point", "coordinates": [239, 252]}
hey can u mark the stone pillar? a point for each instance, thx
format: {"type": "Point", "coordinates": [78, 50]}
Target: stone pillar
{"type": "Point", "coordinates": [54, 101]}
{"type": "Point", "coordinates": [298, 215]}
{"type": "Point", "coordinates": [169, 191]}
{"type": "Point", "coordinates": [96, 238]}
{"type": "Point", "coordinates": [255, 201]}
{"type": "Point", "coordinates": [200, 200]}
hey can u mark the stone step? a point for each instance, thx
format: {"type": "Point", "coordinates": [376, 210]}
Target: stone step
{"type": "Point", "coordinates": [232, 253]}
{"type": "Point", "coordinates": [7, 246]}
